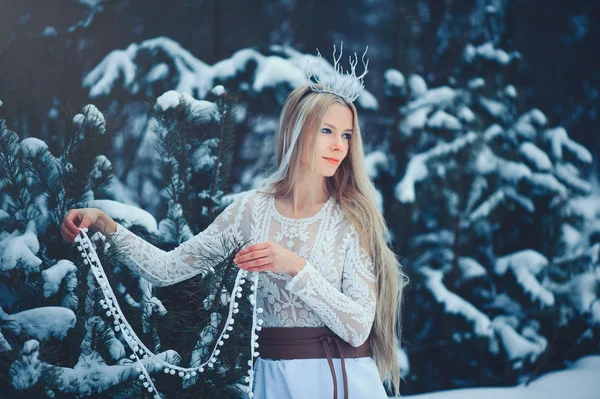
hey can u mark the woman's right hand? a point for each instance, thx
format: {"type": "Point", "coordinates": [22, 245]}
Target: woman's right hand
{"type": "Point", "coordinates": [77, 219]}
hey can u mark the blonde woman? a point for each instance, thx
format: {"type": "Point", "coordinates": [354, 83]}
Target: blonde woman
{"type": "Point", "coordinates": [329, 286]}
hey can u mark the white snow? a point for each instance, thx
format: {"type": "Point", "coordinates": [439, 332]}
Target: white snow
{"type": "Point", "coordinates": [92, 117]}
{"type": "Point", "coordinates": [529, 259]}
{"type": "Point", "coordinates": [470, 269]}
{"type": "Point", "coordinates": [43, 322]}
{"type": "Point", "coordinates": [535, 156]}
{"type": "Point", "coordinates": [579, 381]}
{"type": "Point", "coordinates": [49, 31]}
{"type": "Point", "coordinates": [443, 120]}
{"type": "Point", "coordinates": [102, 165]}
{"type": "Point", "coordinates": [455, 304]}
{"type": "Point", "coordinates": [54, 275]}
{"type": "Point", "coordinates": [528, 124]}
{"type": "Point", "coordinates": [118, 64]}
{"type": "Point", "coordinates": [588, 207]}
{"type": "Point", "coordinates": [559, 139]}
{"type": "Point", "coordinates": [374, 161]}
{"type": "Point", "coordinates": [492, 132]}
{"type": "Point", "coordinates": [493, 201]}
{"type": "Point", "coordinates": [204, 111]}
{"type": "Point", "coordinates": [510, 91]}
{"type": "Point", "coordinates": [440, 96]}
{"type": "Point", "coordinates": [493, 107]}
{"type": "Point", "coordinates": [489, 52]}
{"type": "Point", "coordinates": [417, 85]}
{"type": "Point", "coordinates": [567, 175]}
{"type": "Point", "coordinates": [475, 83]}
{"type": "Point", "coordinates": [417, 166]}
{"type": "Point", "coordinates": [196, 77]}
{"type": "Point", "coordinates": [203, 157]}
{"type": "Point", "coordinates": [570, 236]}
{"type": "Point", "coordinates": [582, 291]}
{"type": "Point", "coordinates": [526, 264]}
{"type": "Point", "coordinates": [31, 145]}
{"type": "Point", "coordinates": [273, 71]}
{"type": "Point", "coordinates": [158, 72]}
{"type": "Point", "coordinates": [469, 53]}
{"type": "Point", "coordinates": [394, 78]}
{"type": "Point", "coordinates": [128, 213]}
{"type": "Point", "coordinates": [513, 172]}
{"type": "Point", "coordinates": [517, 347]}
{"type": "Point", "coordinates": [414, 120]}
{"type": "Point", "coordinates": [547, 183]}
{"type": "Point", "coordinates": [169, 99]}
{"type": "Point", "coordinates": [18, 249]}
{"type": "Point", "coordinates": [465, 114]}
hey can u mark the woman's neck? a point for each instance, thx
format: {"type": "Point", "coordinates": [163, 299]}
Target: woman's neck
{"type": "Point", "coordinates": [301, 199]}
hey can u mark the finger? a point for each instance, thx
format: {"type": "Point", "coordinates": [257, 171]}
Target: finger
{"type": "Point", "coordinates": [67, 237]}
{"type": "Point", "coordinates": [263, 268]}
{"type": "Point", "coordinates": [253, 255]}
{"type": "Point", "coordinates": [68, 222]}
{"type": "Point", "coordinates": [85, 222]}
{"type": "Point", "coordinates": [65, 234]}
{"type": "Point", "coordinates": [251, 264]}
{"type": "Point", "coordinates": [254, 247]}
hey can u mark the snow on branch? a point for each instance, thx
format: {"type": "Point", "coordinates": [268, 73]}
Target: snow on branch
{"type": "Point", "coordinates": [559, 140]}
{"type": "Point", "coordinates": [417, 167]}
{"type": "Point", "coordinates": [83, 379]}
{"type": "Point", "coordinates": [20, 250]}
{"type": "Point", "coordinates": [195, 77]}
{"type": "Point", "coordinates": [40, 323]}
{"type": "Point", "coordinates": [453, 303]}
{"type": "Point", "coordinates": [497, 199]}
{"type": "Point", "coordinates": [525, 265]}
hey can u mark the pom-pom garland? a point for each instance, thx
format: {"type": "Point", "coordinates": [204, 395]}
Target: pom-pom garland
{"type": "Point", "coordinates": [140, 351]}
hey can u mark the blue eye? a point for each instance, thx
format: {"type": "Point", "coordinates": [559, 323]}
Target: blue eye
{"type": "Point", "coordinates": [349, 136]}
{"type": "Point", "coordinates": [325, 130]}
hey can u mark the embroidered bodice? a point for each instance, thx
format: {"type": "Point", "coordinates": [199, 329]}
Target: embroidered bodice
{"type": "Point", "coordinates": [336, 288]}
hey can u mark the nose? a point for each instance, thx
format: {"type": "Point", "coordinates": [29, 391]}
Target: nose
{"type": "Point", "coordinates": [338, 144]}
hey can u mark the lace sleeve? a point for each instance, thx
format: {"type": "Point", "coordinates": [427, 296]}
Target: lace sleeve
{"type": "Point", "coordinates": [349, 314]}
{"type": "Point", "coordinates": [164, 268]}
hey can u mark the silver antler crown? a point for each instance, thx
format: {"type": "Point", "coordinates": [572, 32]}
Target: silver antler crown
{"type": "Point", "coordinates": [345, 84]}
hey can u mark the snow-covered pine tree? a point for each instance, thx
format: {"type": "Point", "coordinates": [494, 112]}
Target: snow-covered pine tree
{"type": "Point", "coordinates": [49, 334]}
{"type": "Point", "coordinates": [484, 208]}
{"type": "Point", "coordinates": [55, 339]}
{"type": "Point", "coordinates": [260, 81]}
{"type": "Point", "coordinates": [195, 150]}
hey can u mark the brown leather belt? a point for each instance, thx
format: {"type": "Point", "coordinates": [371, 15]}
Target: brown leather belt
{"type": "Point", "coordinates": [310, 343]}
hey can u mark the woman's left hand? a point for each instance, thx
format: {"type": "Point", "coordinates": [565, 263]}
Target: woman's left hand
{"type": "Point", "coordinates": [269, 256]}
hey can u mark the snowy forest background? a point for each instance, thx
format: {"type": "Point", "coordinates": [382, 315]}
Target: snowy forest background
{"type": "Point", "coordinates": [480, 122]}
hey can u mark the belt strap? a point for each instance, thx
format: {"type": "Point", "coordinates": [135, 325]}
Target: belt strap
{"type": "Point", "coordinates": [310, 343]}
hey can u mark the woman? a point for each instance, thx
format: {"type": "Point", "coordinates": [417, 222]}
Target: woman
{"type": "Point", "coordinates": [328, 283]}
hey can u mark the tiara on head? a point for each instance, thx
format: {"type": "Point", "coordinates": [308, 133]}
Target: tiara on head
{"type": "Point", "coordinates": [345, 84]}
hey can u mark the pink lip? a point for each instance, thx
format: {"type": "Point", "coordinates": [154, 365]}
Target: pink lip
{"type": "Point", "coordinates": [332, 160]}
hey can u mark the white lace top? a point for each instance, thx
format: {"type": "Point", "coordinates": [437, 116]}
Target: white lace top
{"type": "Point", "coordinates": [336, 287]}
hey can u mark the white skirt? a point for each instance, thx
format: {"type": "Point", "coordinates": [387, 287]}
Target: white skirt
{"type": "Point", "coordinates": [312, 379]}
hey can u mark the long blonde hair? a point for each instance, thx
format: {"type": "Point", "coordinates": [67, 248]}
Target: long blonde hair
{"type": "Point", "coordinates": [354, 192]}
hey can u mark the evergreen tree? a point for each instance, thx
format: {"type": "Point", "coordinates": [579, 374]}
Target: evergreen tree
{"type": "Point", "coordinates": [483, 209]}
{"type": "Point", "coordinates": [53, 304]}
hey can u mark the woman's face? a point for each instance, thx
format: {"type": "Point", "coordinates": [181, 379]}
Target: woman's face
{"type": "Point", "coordinates": [333, 139]}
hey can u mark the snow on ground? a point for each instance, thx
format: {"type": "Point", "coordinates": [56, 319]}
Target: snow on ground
{"type": "Point", "coordinates": [580, 381]}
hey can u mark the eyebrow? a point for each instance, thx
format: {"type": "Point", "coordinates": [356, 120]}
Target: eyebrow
{"type": "Point", "coordinates": [333, 127]}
